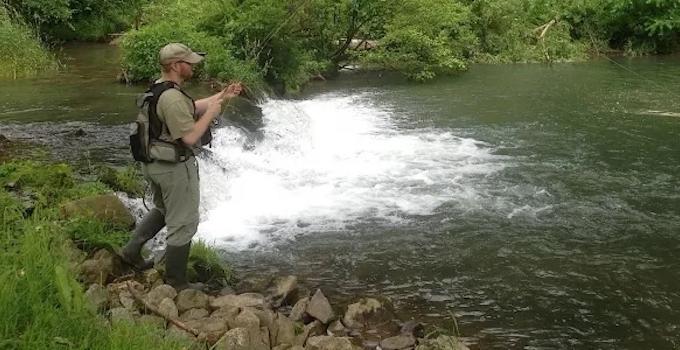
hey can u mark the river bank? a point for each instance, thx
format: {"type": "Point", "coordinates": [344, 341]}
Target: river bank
{"type": "Point", "coordinates": [59, 229]}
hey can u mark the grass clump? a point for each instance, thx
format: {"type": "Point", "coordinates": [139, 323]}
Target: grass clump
{"type": "Point", "coordinates": [22, 51]}
{"type": "Point", "coordinates": [127, 180]}
{"type": "Point", "coordinates": [205, 265]}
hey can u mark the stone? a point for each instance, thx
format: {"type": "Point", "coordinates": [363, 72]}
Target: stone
{"type": "Point", "coordinates": [168, 308]}
{"type": "Point", "coordinates": [121, 315]}
{"type": "Point", "coordinates": [213, 328]}
{"type": "Point", "coordinates": [285, 331]}
{"type": "Point", "coordinates": [226, 312]}
{"type": "Point", "coordinates": [107, 208]}
{"type": "Point", "coordinates": [100, 268]}
{"type": "Point", "coordinates": [153, 321]}
{"type": "Point", "coordinates": [265, 316]}
{"type": "Point", "coordinates": [191, 299]}
{"type": "Point", "coordinates": [234, 339]}
{"type": "Point", "coordinates": [126, 300]}
{"type": "Point", "coordinates": [320, 308]}
{"type": "Point", "coordinates": [194, 314]}
{"type": "Point", "coordinates": [398, 342]}
{"type": "Point", "coordinates": [152, 278]}
{"type": "Point", "coordinates": [240, 301]}
{"type": "Point", "coordinates": [98, 297]}
{"type": "Point", "coordinates": [282, 347]}
{"type": "Point", "coordinates": [253, 284]}
{"type": "Point", "coordinates": [157, 294]}
{"type": "Point", "coordinates": [298, 311]}
{"type": "Point", "coordinates": [312, 329]}
{"type": "Point", "coordinates": [325, 342]}
{"type": "Point", "coordinates": [365, 313]}
{"type": "Point", "coordinates": [281, 289]}
{"type": "Point", "coordinates": [246, 319]}
{"type": "Point", "coordinates": [413, 328]}
{"type": "Point", "coordinates": [337, 329]}
{"type": "Point", "coordinates": [442, 342]}
{"type": "Point", "coordinates": [176, 333]}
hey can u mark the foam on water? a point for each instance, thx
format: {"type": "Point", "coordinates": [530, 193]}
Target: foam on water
{"type": "Point", "coordinates": [330, 162]}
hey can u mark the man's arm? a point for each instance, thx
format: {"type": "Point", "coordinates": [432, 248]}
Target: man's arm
{"type": "Point", "coordinates": [202, 104]}
{"type": "Point", "coordinates": [212, 106]}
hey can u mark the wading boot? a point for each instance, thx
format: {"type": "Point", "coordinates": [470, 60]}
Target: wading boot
{"type": "Point", "coordinates": [176, 259]}
{"type": "Point", "coordinates": [131, 253]}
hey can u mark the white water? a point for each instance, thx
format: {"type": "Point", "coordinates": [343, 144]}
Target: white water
{"type": "Point", "coordinates": [327, 163]}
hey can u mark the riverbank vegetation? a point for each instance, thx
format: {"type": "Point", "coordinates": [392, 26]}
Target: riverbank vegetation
{"type": "Point", "coordinates": [42, 304]}
{"type": "Point", "coordinates": [286, 43]}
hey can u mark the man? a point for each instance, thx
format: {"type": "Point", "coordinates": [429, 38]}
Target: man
{"type": "Point", "coordinates": [174, 180]}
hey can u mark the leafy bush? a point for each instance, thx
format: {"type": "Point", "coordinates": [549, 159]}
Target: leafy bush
{"type": "Point", "coordinates": [22, 50]}
{"type": "Point", "coordinates": [141, 47]}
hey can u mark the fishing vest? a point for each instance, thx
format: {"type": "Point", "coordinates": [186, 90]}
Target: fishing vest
{"type": "Point", "coordinates": [145, 143]}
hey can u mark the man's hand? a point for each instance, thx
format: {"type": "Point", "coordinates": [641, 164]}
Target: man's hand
{"type": "Point", "coordinates": [230, 91]}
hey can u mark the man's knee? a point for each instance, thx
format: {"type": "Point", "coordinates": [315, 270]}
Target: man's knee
{"type": "Point", "coordinates": [181, 234]}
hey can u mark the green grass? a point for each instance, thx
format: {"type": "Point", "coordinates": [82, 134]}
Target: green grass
{"type": "Point", "coordinates": [22, 51]}
{"type": "Point", "coordinates": [205, 265]}
{"type": "Point", "coordinates": [42, 306]}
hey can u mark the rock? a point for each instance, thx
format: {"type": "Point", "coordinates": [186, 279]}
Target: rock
{"type": "Point", "coordinates": [442, 342]}
{"type": "Point", "coordinates": [320, 308]}
{"type": "Point", "coordinates": [121, 315]}
{"type": "Point", "coordinates": [126, 300]}
{"type": "Point", "coordinates": [194, 314]}
{"type": "Point", "coordinates": [298, 311]}
{"type": "Point", "coordinates": [240, 301]}
{"type": "Point", "coordinates": [249, 285]}
{"type": "Point", "coordinates": [398, 342]}
{"type": "Point", "coordinates": [191, 299]}
{"type": "Point", "coordinates": [281, 289]}
{"type": "Point", "coordinates": [413, 328]}
{"type": "Point", "coordinates": [283, 347]}
{"type": "Point", "coordinates": [285, 331]}
{"type": "Point", "coordinates": [213, 327]}
{"type": "Point", "coordinates": [226, 312]}
{"type": "Point", "coordinates": [246, 319]}
{"type": "Point", "coordinates": [176, 333]}
{"type": "Point", "coordinates": [98, 296]}
{"type": "Point", "coordinates": [328, 343]}
{"type": "Point", "coordinates": [107, 208]}
{"type": "Point", "coordinates": [312, 329]}
{"type": "Point", "coordinates": [365, 313]}
{"type": "Point", "coordinates": [153, 321]}
{"type": "Point", "coordinates": [168, 308]}
{"type": "Point", "coordinates": [3, 139]}
{"type": "Point", "coordinates": [79, 133]}
{"type": "Point", "coordinates": [265, 316]}
{"type": "Point", "coordinates": [152, 278]}
{"type": "Point", "coordinates": [100, 268]}
{"type": "Point", "coordinates": [337, 329]}
{"type": "Point", "coordinates": [235, 339]}
{"type": "Point", "coordinates": [157, 294]}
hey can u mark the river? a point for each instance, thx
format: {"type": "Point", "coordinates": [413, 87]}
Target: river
{"type": "Point", "coordinates": [538, 204]}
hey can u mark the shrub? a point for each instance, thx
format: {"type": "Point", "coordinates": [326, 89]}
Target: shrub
{"type": "Point", "coordinates": [23, 53]}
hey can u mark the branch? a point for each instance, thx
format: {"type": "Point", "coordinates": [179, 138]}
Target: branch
{"type": "Point", "coordinates": [153, 309]}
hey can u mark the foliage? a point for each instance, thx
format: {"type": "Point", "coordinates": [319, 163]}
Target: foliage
{"type": "Point", "coordinates": [425, 39]}
{"type": "Point", "coordinates": [77, 19]}
{"type": "Point", "coordinates": [127, 180]}
{"type": "Point", "coordinates": [140, 53]}
{"type": "Point", "coordinates": [205, 265]}
{"type": "Point", "coordinates": [22, 50]}
{"type": "Point", "coordinates": [89, 234]}
{"type": "Point", "coordinates": [42, 306]}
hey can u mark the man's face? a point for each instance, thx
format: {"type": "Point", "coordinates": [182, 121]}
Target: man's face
{"type": "Point", "coordinates": [184, 69]}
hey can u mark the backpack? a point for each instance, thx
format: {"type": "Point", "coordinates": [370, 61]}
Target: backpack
{"type": "Point", "coordinates": [145, 131]}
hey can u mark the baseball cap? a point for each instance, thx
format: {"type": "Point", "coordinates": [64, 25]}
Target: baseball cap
{"type": "Point", "coordinates": [174, 52]}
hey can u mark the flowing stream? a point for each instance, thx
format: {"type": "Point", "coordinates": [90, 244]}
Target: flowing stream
{"type": "Point", "coordinates": [538, 205]}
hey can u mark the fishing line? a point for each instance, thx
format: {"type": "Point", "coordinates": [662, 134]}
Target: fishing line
{"type": "Point", "coordinates": [639, 75]}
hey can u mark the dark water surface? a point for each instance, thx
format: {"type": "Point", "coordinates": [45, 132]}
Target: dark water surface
{"type": "Point", "coordinates": [573, 244]}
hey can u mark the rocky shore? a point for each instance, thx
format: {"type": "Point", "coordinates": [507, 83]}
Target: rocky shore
{"type": "Point", "coordinates": [282, 316]}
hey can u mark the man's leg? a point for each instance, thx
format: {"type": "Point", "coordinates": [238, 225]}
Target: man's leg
{"type": "Point", "coordinates": [150, 225]}
{"type": "Point", "coordinates": [181, 198]}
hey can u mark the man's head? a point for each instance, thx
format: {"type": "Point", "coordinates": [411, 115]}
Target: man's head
{"type": "Point", "coordinates": [176, 58]}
